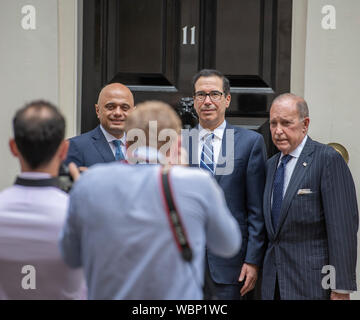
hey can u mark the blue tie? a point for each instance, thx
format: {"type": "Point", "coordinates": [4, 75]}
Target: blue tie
{"type": "Point", "coordinates": [278, 189]}
{"type": "Point", "coordinates": [118, 153]}
{"type": "Point", "coordinates": [207, 155]}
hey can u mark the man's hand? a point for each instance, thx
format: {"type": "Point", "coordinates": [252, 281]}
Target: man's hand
{"type": "Point", "coordinates": [249, 272]}
{"type": "Point", "coordinates": [339, 296]}
{"type": "Point", "coordinates": [75, 171]}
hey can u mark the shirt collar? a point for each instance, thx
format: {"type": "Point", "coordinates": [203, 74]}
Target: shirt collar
{"type": "Point", "coordinates": [34, 175]}
{"type": "Point", "coordinates": [296, 153]}
{"type": "Point", "coordinates": [109, 137]}
{"type": "Point", "coordinates": [146, 155]}
{"type": "Point", "coordinates": [218, 132]}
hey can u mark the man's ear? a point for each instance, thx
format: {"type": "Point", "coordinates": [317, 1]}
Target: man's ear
{"type": "Point", "coordinates": [306, 124]}
{"type": "Point", "coordinates": [13, 148]}
{"type": "Point", "coordinates": [228, 100]}
{"type": "Point", "coordinates": [97, 110]}
{"type": "Point", "coordinates": [63, 149]}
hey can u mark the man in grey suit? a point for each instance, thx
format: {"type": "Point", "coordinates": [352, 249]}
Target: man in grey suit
{"type": "Point", "coordinates": [310, 210]}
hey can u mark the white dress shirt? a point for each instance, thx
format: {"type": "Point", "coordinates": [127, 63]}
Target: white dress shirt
{"type": "Point", "coordinates": [31, 219]}
{"type": "Point", "coordinates": [110, 138]}
{"type": "Point", "coordinates": [289, 168]}
{"type": "Point", "coordinates": [218, 135]}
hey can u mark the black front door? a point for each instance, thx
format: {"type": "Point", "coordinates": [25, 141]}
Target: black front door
{"type": "Point", "coordinates": [156, 46]}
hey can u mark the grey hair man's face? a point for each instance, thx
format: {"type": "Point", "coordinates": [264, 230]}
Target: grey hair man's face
{"type": "Point", "coordinates": [287, 128]}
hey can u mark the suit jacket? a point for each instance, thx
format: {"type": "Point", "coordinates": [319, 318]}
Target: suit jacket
{"type": "Point", "coordinates": [89, 148]}
{"type": "Point", "coordinates": [314, 229]}
{"type": "Point", "coordinates": [243, 189]}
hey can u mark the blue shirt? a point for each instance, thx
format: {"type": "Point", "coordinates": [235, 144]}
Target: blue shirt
{"type": "Point", "coordinates": [118, 230]}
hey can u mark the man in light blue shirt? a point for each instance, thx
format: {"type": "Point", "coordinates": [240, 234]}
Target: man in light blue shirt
{"type": "Point", "coordinates": [118, 228]}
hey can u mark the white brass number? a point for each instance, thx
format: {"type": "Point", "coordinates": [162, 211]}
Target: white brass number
{"type": "Point", "coordinates": [184, 35]}
{"type": "Point", "coordinates": [193, 30]}
{"type": "Point", "coordinates": [193, 35]}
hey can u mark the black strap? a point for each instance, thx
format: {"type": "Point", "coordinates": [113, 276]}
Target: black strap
{"type": "Point", "coordinates": [174, 218]}
{"type": "Point", "coordinates": [179, 232]}
{"type": "Point", "coordinates": [48, 182]}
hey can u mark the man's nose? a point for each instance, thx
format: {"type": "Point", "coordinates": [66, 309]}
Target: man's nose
{"type": "Point", "coordinates": [278, 129]}
{"type": "Point", "coordinates": [207, 100]}
{"type": "Point", "coordinates": [118, 111]}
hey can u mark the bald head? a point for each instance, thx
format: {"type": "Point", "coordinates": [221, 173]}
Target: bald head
{"type": "Point", "coordinates": [115, 89]}
{"type": "Point", "coordinates": [115, 103]}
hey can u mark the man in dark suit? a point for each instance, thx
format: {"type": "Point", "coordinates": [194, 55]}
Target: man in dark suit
{"type": "Point", "coordinates": [236, 158]}
{"type": "Point", "coordinates": [107, 142]}
{"type": "Point", "coordinates": [310, 211]}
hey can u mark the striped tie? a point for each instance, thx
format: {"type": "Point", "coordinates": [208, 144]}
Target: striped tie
{"type": "Point", "coordinates": [118, 152]}
{"type": "Point", "coordinates": [207, 155]}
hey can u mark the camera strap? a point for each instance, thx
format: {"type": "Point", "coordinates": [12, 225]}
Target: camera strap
{"type": "Point", "coordinates": [179, 231]}
{"type": "Point", "coordinates": [175, 222]}
{"type": "Point", "coordinates": [48, 182]}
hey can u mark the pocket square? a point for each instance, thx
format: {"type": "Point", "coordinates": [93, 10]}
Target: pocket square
{"type": "Point", "coordinates": [304, 191]}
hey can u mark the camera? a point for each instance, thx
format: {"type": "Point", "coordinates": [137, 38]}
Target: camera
{"type": "Point", "coordinates": [187, 113]}
{"type": "Point", "coordinates": [65, 180]}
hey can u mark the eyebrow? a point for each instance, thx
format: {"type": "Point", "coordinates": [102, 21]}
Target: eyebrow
{"type": "Point", "coordinates": [120, 104]}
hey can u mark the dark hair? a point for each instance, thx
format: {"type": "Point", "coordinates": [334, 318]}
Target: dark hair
{"type": "Point", "coordinates": [39, 128]}
{"type": "Point", "coordinates": [210, 73]}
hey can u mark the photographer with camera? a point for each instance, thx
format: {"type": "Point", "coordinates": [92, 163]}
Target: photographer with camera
{"type": "Point", "coordinates": [140, 230]}
{"type": "Point", "coordinates": [33, 210]}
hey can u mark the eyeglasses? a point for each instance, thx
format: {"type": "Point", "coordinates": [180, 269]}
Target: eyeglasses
{"type": "Point", "coordinates": [214, 95]}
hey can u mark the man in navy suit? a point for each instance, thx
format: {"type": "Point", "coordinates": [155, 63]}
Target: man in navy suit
{"type": "Point", "coordinates": [107, 142]}
{"type": "Point", "coordinates": [237, 161]}
{"type": "Point", "coordinates": [310, 210]}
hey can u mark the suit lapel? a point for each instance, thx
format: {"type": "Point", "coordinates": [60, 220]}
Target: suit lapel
{"type": "Point", "coordinates": [295, 180]}
{"type": "Point", "coordinates": [225, 156]}
{"type": "Point", "coordinates": [102, 146]}
{"type": "Point", "coordinates": [193, 146]}
{"type": "Point", "coordinates": [268, 192]}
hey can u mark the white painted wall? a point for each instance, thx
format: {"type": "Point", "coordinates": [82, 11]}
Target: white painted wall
{"type": "Point", "coordinates": [28, 69]}
{"type": "Point", "coordinates": [69, 59]}
{"type": "Point", "coordinates": [40, 63]}
{"type": "Point", "coordinates": [328, 61]}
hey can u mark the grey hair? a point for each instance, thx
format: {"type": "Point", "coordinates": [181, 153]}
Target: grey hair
{"type": "Point", "coordinates": [301, 104]}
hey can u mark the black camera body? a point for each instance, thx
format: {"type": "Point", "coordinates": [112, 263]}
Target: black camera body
{"type": "Point", "coordinates": [65, 180]}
